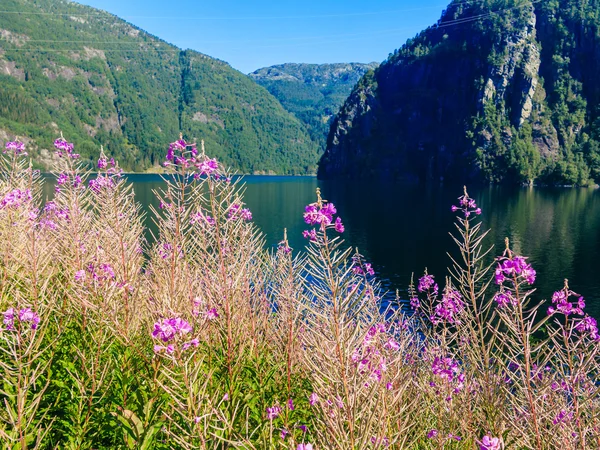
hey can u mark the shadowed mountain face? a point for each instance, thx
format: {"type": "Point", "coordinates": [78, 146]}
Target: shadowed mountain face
{"type": "Point", "coordinates": [496, 91]}
{"type": "Point", "coordinates": [312, 92]}
{"type": "Point", "coordinates": [100, 80]}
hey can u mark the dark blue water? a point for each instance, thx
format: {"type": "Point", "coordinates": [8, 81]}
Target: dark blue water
{"type": "Point", "coordinates": [403, 229]}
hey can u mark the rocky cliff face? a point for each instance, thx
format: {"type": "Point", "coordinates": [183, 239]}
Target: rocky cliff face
{"type": "Point", "coordinates": [501, 91]}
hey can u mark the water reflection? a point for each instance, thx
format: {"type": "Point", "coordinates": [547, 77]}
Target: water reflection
{"type": "Point", "coordinates": [403, 229]}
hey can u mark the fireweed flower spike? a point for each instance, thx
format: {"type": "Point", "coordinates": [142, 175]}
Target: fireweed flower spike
{"type": "Point", "coordinates": [284, 246]}
{"type": "Point", "coordinates": [511, 267]}
{"type": "Point", "coordinates": [16, 147]}
{"type": "Point", "coordinates": [490, 443]}
{"type": "Point", "coordinates": [64, 148]}
{"type": "Point", "coordinates": [562, 305]}
{"type": "Point", "coordinates": [305, 447]}
{"type": "Point", "coordinates": [427, 283]}
{"type": "Point", "coordinates": [466, 205]}
{"type": "Point", "coordinates": [25, 315]}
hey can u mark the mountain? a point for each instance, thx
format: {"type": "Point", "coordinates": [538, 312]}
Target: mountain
{"type": "Point", "coordinates": [502, 91]}
{"type": "Point", "coordinates": [100, 80]}
{"type": "Point", "coordinates": [312, 92]}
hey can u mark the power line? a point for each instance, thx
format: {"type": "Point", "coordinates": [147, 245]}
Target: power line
{"type": "Point", "coordinates": [316, 16]}
{"type": "Point", "coordinates": [454, 22]}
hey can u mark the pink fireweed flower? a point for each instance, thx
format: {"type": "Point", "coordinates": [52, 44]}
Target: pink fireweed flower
{"type": "Point", "coordinates": [415, 303]}
{"type": "Point", "coordinates": [290, 404]}
{"type": "Point", "coordinates": [101, 183]}
{"type": "Point", "coordinates": [505, 298]}
{"type": "Point", "coordinates": [273, 412]}
{"type": "Point", "coordinates": [102, 163]}
{"type": "Point", "coordinates": [246, 214]}
{"type": "Point", "coordinates": [562, 417]}
{"type": "Point", "coordinates": [233, 211]}
{"type": "Point", "coordinates": [79, 276]}
{"type": "Point", "coordinates": [212, 314]}
{"type": "Point", "coordinates": [490, 443]}
{"type": "Point", "coordinates": [432, 434]}
{"type": "Point", "coordinates": [381, 441]}
{"type": "Point", "coordinates": [450, 306]}
{"type": "Point", "coordinates": [310, 235]}
{"type": "Point", "coordinates": [177, 146]}
{"type": "Point", "coordinates": [339, 226]}
{"type": "Point", "coordinates": [283, 433]}
{"type": "Point", "coordinates": [201, 219]}
{"type": "Point", "coordinates": [15, 198]}
{"type": "Point", "coordinates": [426, 283]}
{"type": "Point", "coordinates": [516, 266]}
{"type": "Point", "coordinates": [64, 148]}
{"type": "Point", "coordinates": [9, 318]}
{"type": "Point", "coordinates": [319, 214]}
{"type": "Point", "coordinates": [193, 343]}
{"type": "Point", "coordinates": [208, 167]}
{"type": "Point", "coordinates": [284, 247]}
{"type": "Point", "coordinates": [25, 315]}
{"type": "Point", "coordinates": [392, 345]}
{"type": "Point", "coordinates": [313, 399]}
{"type": "Point", "coordinates": [560, 300]}
{"type": "Point", "coordinates": [588, 324]}
{"type": "Point", "coordinates": [168, 329]}
{"type": "Point", "coordinates": [17, 147]}
{"type": "Point", "coordinates": [306, 446]}
{"type": "Point", "coordinates": [467, 205]}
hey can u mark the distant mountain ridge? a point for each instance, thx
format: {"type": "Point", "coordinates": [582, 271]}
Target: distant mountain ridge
{"type": "Point", "coordinates": [312, 92]}
{"type": "Point", "coordinates": [71, 68]}
{"type": "Point", "coordinates": [502, 91]}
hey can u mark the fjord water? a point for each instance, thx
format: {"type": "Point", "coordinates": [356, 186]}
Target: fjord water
{"type": "Point", "coordinates": [403, 229]}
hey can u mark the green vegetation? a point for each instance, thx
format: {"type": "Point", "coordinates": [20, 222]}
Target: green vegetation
{"type": "Point", "coordinates": [496, 91]}
{"type": "Point", "coordinates": [312, 92]}
{"type": "Point", "coordinates": [103, 81]}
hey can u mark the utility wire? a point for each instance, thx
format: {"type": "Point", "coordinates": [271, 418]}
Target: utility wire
{"type": "Point", "coordinates": [316, 16]}
{"type": "Point", "coordinates": [439, 24]}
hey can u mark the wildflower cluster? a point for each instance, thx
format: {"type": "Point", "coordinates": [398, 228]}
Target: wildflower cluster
{"type": "Point", "coordinates": [170, 331]}
{"type": "Point", "coordinates": [514, 267]}
{"type": "Point", "coordinates": [186, 157]}
{"type": "Point", "coordinates": [361, 268]}
{"type": "Point", "coordinates": [249, 346]}
{"type": "Point", "coordinates": [25, 315]}
{"type": "Point", "coordinates": [449, 307]}
{"type": "Point", "coordinates": [15, 147]}
{"type": "Point", "coordinates": [237, 212]}
{"type": "Point", "coordinates": [368, 358]}
{"type": "Point", "coordinates": [562, 305]}
{"type": "Point", "coordinates": [15, 198]}
{"type": "Point", "coordinates": [467, 206]}
{"type": "Point", "coordinates": [64, 149]}
{"type": "Point", "coordinates": [321, 213]}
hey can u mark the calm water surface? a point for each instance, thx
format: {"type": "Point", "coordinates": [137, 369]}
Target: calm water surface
{"type": "Point", "coordinates": [403, 229]}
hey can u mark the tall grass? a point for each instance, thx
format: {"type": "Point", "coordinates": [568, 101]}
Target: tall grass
{"type": "Point", "coordinates": [202, 339]}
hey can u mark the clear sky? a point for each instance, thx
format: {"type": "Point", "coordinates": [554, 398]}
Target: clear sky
{"type": "Point", "coordinates": [250, 34]}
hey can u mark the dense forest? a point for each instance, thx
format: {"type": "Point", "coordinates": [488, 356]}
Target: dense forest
{"type": "Point", "coordinates": [496, 91]}
{"type": "Point", "coordinates": [312, 92]}
{"type": "Point", "coordinates": [100, 80]}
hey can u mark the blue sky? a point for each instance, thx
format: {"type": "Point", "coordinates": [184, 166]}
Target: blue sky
{"type": "Point", "coordinates": [250, 34]}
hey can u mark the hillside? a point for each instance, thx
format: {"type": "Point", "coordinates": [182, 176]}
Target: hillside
{"type": "Point", "coordinates": [312, 92]}
{"type": "Point", "coordinates": [497, 91]}
{"type": "Point", "coordinates": [101, 80]}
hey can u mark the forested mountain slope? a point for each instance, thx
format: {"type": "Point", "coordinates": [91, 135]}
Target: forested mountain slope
{"type": "Point", "coordinates": [100, 80]}
{"type": "Point", "coordinates": [312, 92]}
{"type": "Point", "coordinates": [497, 91]}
